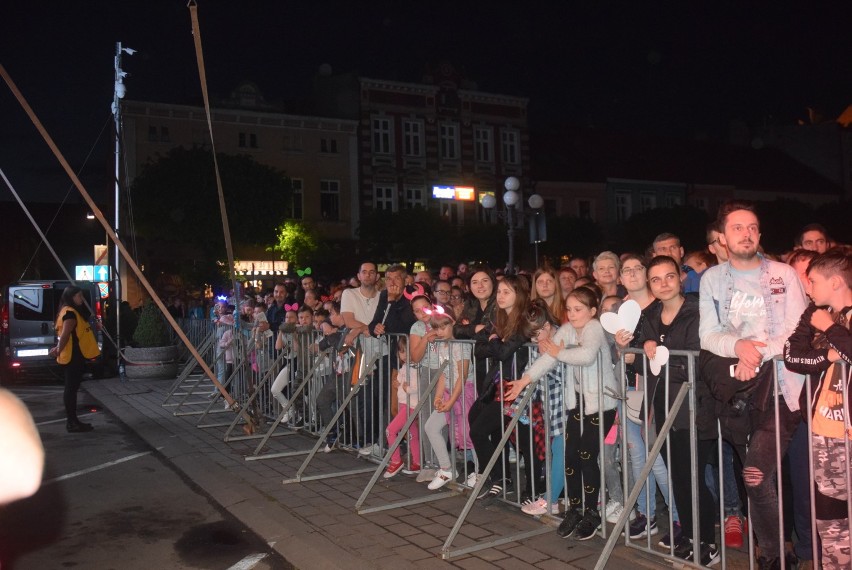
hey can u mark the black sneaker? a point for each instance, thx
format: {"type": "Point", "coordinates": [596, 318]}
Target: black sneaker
{"type": "Point", "coordinates": [491, 494]}
{"type": "Point", "coordinates": [569, 523]}
{"type": "Point", "coordinates": [588, 527]}
{"type": "Point", "coordinates": [666, 541]}
{"type": "Point", "coordinates": [642, 527]}
{"type": "Point", "coordinates": [684, 549]}
{"type": "Point", "coordinates": [709, 554]}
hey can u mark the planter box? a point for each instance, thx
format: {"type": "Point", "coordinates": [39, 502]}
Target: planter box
{"type": "Point", "coordinates": [159, 362]}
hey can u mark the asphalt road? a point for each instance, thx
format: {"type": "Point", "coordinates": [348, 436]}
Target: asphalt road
{"type": "Point", "coordinates": [110, 501]}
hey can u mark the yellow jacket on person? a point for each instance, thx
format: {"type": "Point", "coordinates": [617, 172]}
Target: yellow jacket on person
{"type": "Point", "coordinates": [85, 338]}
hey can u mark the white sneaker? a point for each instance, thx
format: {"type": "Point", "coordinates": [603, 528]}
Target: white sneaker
{"type": "Point", "coordinates": [442, 477]}
{"type": "Point", "coordinates": [472, 479]}
{"type": "Point", "coordinates": [374, 450]}
{"type": "Point", "coordinates": [613, 511]}
{"type": "Point", "coordinates": [539, 507]}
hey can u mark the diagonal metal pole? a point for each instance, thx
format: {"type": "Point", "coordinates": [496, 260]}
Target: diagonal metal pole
{"type": "Point", "coordinates": [124, 253]}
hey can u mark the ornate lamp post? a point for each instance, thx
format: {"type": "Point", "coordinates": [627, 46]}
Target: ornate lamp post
{"type": "Point", "coordinates": [511, 197]}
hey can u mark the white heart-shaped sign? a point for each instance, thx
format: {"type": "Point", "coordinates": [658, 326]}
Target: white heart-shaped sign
{"type": "Point", "coordinates": [661, 356]}
{"type": "Point", "coordinates": [626, 319]}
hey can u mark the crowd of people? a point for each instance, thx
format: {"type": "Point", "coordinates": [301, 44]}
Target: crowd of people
{"type": "Point", "coordinates": [734, 306]}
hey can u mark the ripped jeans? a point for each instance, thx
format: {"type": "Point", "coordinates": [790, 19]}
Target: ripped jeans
{"type": "Point", "coordinates": [759, 472]}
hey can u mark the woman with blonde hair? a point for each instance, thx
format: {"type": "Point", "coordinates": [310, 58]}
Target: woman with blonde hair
{"type": "Point", "coordinates": [547, 288]}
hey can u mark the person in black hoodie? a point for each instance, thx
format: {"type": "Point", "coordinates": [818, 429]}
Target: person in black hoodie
{"type": "Point", "coordinates": [672, 321]}
{"type": "Point", "coordinates": [507, 356]}
{"type": "Point", "coordinates": [821, 346]}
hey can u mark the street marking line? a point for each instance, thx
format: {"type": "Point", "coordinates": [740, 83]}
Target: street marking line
{"type": "Point", "coordinates": [62, 419]}
{"type": "Point", "coordinates": [97, 467]}
{"type": "Point", "coordinates": [248, 562]}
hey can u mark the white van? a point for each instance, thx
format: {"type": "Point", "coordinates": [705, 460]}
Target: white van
{"type": "Point", "coordinates": [27, 324]}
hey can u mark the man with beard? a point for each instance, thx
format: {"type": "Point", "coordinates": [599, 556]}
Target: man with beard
{"type": "Point", "coordinates": [749, 306]}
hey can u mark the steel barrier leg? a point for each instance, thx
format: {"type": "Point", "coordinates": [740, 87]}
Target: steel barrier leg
{"type": "Point", "coordinates": [343, 406]}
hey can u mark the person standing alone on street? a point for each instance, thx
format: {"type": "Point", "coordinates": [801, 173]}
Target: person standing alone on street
{"type": "Point", "coordinates": [76, 345]}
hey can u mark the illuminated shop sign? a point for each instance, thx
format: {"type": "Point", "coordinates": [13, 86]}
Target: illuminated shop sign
{"type": "Point", "coordinates": [464, 193]}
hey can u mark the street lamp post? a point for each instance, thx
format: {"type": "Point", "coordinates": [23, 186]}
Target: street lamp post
{"type": "Point", "coordinates": [118, 94]}
{"type": "Point", "coordinates": [511, 197]}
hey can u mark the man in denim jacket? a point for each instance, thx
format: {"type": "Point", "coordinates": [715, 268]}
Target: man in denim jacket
{"type": "Point", "coordinates": [749, 307]}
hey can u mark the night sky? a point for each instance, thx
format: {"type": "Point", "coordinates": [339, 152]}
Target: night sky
{"type": "Point", "coordinates": [676, 68]}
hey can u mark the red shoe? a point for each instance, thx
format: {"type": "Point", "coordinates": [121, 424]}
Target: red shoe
{"type": "Point", "coordinates": [412, 469]}
{"type": "Point", "coordinates": [734, 528]}
{"type": "Point", "coordinates": [393, 469]}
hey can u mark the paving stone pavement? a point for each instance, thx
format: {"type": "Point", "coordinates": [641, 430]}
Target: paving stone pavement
{"type": "Point", "coordinates": [314, 524]}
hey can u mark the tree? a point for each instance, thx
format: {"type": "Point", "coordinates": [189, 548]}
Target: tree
{"type": "Point", "coordinates": [176, 197]}
{"type": "Point", "coordinates": [296, 243]}
{"type": "Point", "coordinates": [408, 235]}
{"type": "Point", "coordinates": [638, 233]}
{"type": "Point", "coordinates": [175, 209]}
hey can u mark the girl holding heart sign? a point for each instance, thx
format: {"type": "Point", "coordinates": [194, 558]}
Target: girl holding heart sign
{"type": "Point", "coordinates": [626, 326]}
{"type": "Point", "coordinates": [671, 323]}
{"type": "Point", "coordinates": [589, 380]}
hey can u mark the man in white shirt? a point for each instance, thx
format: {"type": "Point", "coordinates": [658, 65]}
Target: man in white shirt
{"type": "Point", "coordinates": [358, 307]}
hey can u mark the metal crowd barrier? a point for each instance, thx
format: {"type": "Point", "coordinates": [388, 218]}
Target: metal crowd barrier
{"type": "Point", "coordinates": [686, 396]}
{"type": "Point", "coordinates": [525, 409]}
{"type": "Point", "coordinates": [429, 371]}
{"type": "Point", "coordinates": [362, 373]}
{"type": "Point", "coordinates": [355, 421]}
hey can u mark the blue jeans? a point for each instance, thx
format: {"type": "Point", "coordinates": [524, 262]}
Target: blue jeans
{"type": "Point", "coordinates": [733, 504]}
{"type": "Point", "coordinates": [557, 466]}
{"type": "Point", "coordinates": [658, 475]}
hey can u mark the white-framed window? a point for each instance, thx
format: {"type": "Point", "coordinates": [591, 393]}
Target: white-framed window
{"type": "Point", "coordinates": [415, 196]}
{"type": "Point", "coordinates": [382, 135]}
{"type": "Point", "coordinates": [510, 147]}
{"type": "Point", "coordinates": [483, 144]}
{"type": "Point", "coordinates": [585, 210]}
{"type": "Point", "coordinates": [449, 141]}
{"type": "Point", "coordinates": [673, 199]}
{"type": "Point", "coordinates": [297, 209]}
{"type": "Point", "coordinates": [647, 201]}
{"type": "Point", "coordinates": [330, 199]}
{"type": "Point", "coordinates": [623, 207]}
{"type": "Point", "coordinates": [701, 203]}
{"type": "Point", "coordinates": [412, 136]}
{"type": "Point", "coordinates": [328, 145]}
{"type": "Point", "coordinates": [247, 140]}
{"type": "Point", "coordinates": [383, 197]}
